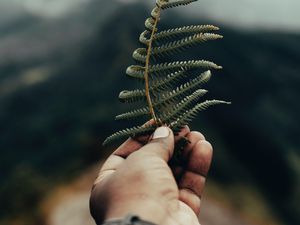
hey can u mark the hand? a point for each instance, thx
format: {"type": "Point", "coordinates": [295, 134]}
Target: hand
{"type": "Point", "coordinates": [136, 179]}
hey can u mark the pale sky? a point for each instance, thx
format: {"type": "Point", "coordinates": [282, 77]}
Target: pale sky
{"type": "Point", "coordinates": [269, 14]}
{"type": "Point", "coordinates": [248, 14]}
{"type": "Point", "coordinates": [43, 8]}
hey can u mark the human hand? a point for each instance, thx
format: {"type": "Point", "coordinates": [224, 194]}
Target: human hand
{"type": "Point", "coordinates": [136, 179]}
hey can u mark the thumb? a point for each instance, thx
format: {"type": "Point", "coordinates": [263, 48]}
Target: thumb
{"type": "Point", "coordinates": [161, 144]}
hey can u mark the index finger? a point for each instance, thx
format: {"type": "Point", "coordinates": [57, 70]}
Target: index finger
{"type": "Point", "coordinates": [133, 143]}
{"type": "Point", "coordinates": [118, 157]}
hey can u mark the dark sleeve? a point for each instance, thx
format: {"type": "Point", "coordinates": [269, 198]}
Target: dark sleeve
{"type": "Point", "coordinates": [128, 220]}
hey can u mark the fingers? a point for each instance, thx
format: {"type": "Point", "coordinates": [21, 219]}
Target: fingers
{"type": "Point", "coordinates": [200, 158]}
{"type": "Point", "coordinates": [130, 146]}
{"type": "Point", "coordinates": [184, 132]}
{"type": "Point", "coordinates": [161, 144]}
{"type": "Point", "coordinates": [189, 198]}
{"type": "Point", "coordinates": [193, 137]}
{"type": "Point", "coordinates": [192, 182]}
{"type": "Point", "coordinates": [133, 144]}
{"type": "Point", "coordinates": [118, 157]}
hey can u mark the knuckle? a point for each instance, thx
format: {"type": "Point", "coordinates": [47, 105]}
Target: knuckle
{"type": "Point", "coordinates": [198, 135]}
{"type": "Point", "coordinates": [207, 145]}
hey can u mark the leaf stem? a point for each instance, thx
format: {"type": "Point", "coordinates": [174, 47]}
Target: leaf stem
{"type": "Point", "coordinates": [146, 75]}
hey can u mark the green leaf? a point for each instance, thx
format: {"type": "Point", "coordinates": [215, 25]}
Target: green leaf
{"type": "Point", "coordinates": [171, 4]}
{"type": "Point", "coordinates": [132, 96]}
{"type": "Point", "coordinates": [144, 37]}
{"type": "Point", "coordinates": [149, 23]}
{"type": "Point", "coordinates": [181, 107]}
{"type": "Point", "coordinates": [133, 114]}
{"type": "Point", "coordinates": [175, 32]}
{"type": "Point", "coordinates": [154, 12]}
{"type": "Point", "coordinates": [164, 99]}
{"type": "Point", "coordinates": [160, 84]}
{"type": "Point", "coordinates": [192, 64]}
{"type": "Point", "coordinates": [136, 72]}
{"type": "Point", "coordinates": [130, 132]}
{"type": "Point", "coordinates": [173, 104]}
{"type": "Point", "coordinates": [183, 89]}
{"type": "Point", "coordinates": [189, 115]}
{"type": "Point", "coordinates": [140, 55]}
{"type": "Point", "coordinates": [183, 44]}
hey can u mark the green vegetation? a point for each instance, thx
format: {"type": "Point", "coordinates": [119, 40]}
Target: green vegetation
{"type": "Point", "coordinates": [168, 99]}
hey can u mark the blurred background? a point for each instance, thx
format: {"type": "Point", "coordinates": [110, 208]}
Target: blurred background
{"type": "Point", "coordinates": [62, 65]}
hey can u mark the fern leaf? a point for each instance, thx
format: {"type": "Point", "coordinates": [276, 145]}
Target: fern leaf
{"type": "Point", "coordinates": [177, 46]}
{"type": "Point", "coordinates": [168, 81]}
{"type": "Point", "coordinates": [133, 114]}
{"type": "Point", "coordinates": [136, 72]}
{"type": "Point", "coordinates": [140, 55]}
{"type": "Point", "coordinates": [171, 4]}
{"type": "Point", "coordinates": [144, 39]}
{"type": "Point", "coordinates": [130, 132]}
{"type": "Point", "coordinates": [170, 97]}
{"type": "Point", "coordinates": [189, 115]}
{"type": "Point", "coordinates": [154, 12]}
{"type": "Point", "coordinates": [165, 67]}
{"type": "Point", "coordinates": [149, 24]}
{"type": "Point", "coordinates": [188, 87]}
{"type": "Point", "coordinates": [181, 107]}
{"type": "Point", "coordinates": [132, 96]}
{"type": "Point", "coordinates": [168, 100]}
{"type": "Point", "coordinates": [175, 32]}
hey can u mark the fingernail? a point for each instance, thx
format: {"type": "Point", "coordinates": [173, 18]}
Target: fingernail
{"type": "Point", "coordinates": [161, 132]}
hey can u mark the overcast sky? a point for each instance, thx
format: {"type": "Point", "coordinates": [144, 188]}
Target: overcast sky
{"type": "Point", "coordinates": [270, 14]}
{"type": "Point", "coordinates": [249, 14]}
{"type": "Point", "coordinates": [43, 8]}
{"type": "Point", "coordinates": [253, 14]}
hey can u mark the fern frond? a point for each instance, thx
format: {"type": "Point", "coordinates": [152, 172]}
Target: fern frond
{"type": "Point", "coordinates": [145, 111]}
{"type": "Point", "coordinates": [154, 12]}
{"type": "Point", "coordinates": [149, 24]}
{"type": "Point", "coordinates": [130, 132]}
{"type": "Point", "coordinates": [183, 89]}
{"type": "Point", "coordinates": [133, 114]}
{"type": "Point", "coordinates": [136, 72]}
{"type": "Point", "coordinates": [168, 81]}
{"type": "Point", "coordinates": [171, 4]}
{"type": "Point", "coordinates": [144, 37]}
{"type": "Point", "coordinates": [180, 45]}
{"type": "Point", "coordinates": [165, 67]}
{"type": "Point", "coordinates": [140, 55]}
{"type": "Point", "coordinates": [175, 32]}
{"type": "Point", "coordinates": [189, 115]}
{"type": "Point", "coordinates": [181, 107]}
{"type": "Point", "coordinates": [132, 96]}
{"type": "Point", "coordinates": [166, 100]}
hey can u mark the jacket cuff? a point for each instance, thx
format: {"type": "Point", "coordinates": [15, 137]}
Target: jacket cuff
{"type": "Point", "coordinates": [128, 220]}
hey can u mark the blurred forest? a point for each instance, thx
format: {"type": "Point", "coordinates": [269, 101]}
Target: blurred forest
{"type": "Point", "coordinates": [59, 82]}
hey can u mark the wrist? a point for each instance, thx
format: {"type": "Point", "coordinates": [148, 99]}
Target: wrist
{"type": "Point", "coordinates": [128, 220]}
{"type": "Point", "coordinates": [143, 207]}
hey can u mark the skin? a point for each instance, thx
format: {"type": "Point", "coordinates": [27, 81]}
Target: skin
{"type": "Point", "coordinates": [137, 179]}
